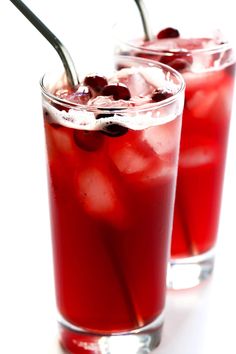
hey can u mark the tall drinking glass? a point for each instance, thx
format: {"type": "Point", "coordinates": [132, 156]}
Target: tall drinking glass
{"type": "Point", "coordinates": [207, 63]}
{"type": "Point", "coordinates": [112, 166]}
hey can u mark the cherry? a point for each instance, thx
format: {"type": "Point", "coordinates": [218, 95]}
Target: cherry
{"type": "Point", "coordinates": [112, 129]}
{"type": "Point", "coordinates": [88, 140]}
{"type": "Point", "coordinates": [117, 90]}
{"type": "Point", "coordinates": [160, 95]}
{"type": "Point", "coordinates": [95, 82]}
{"type": "Point", "coordinates": [168, 32]}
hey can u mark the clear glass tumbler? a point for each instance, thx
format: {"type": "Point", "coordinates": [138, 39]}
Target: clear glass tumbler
{"type": "Point", "coordinates": [207, 63]}
{"type": "Point", "coordinates": [112, 179]}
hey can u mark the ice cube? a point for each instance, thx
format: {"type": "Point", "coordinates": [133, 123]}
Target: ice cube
{"type": "Point", "coordinates": [197, 156]}
{"type": "Point", "coordinates": [137, 85]}
{"type": "Point", "coordinates": [201, 103]}
{"type": "Point", "coordinates": [108, 102]}
{"type": "Point", "coordinates": [160, 170]}
{"type": "Point", "coordinates": [129, 160]}
{"type": "Point", "coordinates": [96, 191]}
{"type": "Point", "coordinates": [59, 140]}
{"type": "Point", "coordinates": [155, 77]}
{"type": "Point", "coordinates": [161, 138]}
{"type": "Point", "coordinates": [99, 196]}
{"type": "Point", "coordinates": [198, 80]}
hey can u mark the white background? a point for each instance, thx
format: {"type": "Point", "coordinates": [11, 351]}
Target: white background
{"type": "Point", "coordinates": [198, 321]}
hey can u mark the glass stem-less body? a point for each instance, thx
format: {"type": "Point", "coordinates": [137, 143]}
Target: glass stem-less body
{"type": "Point", "coordinates": [204, 137]}
{"type": "Point", "coordinates": [107, 261]}
{"type": "Point", "coordinates": [208, 67]}
{"type": "Point", "coordinates": [112, 202]}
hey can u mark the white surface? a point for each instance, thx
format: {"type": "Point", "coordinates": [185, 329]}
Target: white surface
{"type": "Point", "coordinates": [198, 321]}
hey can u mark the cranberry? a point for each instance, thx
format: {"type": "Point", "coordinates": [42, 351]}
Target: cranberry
{"type": "Point", "coordinates": [112, 129]}
{"type": "Point", "coordinates": [95, 82]}
{"type": "Point", "coordinates": [179, 64]}
{"type": "Point", "coordinates": [160, 95]}
{"type": "Point", "coordinates": [179, 59]}
{"type": "Point", "coordinates": [118, 91]}
{"type": "Point", "coordinates": [168, 32]}
{"type": "Point", "coordinates": [88, 140]}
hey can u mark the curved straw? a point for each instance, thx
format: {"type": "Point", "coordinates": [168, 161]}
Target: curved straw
{"type": "Point", "coordinates": [55, 42]}
{"type": "Point", "coordinates": [144, 17]}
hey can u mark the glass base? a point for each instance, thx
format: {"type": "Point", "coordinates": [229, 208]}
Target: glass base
{"type": "Point", "coordinates": [184, 273]}
{"type": "Point", "coordinates": [75, 340]}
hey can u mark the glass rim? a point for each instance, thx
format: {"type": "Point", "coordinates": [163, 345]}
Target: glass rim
{"type": "Point", "coordinates": [217, 48]}
{"type": "Point", "coordinates": [116, 110]}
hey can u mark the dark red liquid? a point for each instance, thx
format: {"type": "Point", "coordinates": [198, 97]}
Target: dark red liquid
{"type": "Point", "coordinates": [111, 212]}
{"type": "Point", "coordinates": [206, 121]}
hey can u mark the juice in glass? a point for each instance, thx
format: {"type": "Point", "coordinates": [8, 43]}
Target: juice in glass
{"type": "Point", "coordinates": [207, 64]}
{"type": "Point", "coordinates": [112, 148]}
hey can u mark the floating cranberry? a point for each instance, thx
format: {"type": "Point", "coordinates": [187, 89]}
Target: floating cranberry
{"type": "Point", "coordinates": [168, 32]}
{"type": "Point", "coordinates": [117, 90]}
{"type": "Point", "coordinates": [160, 95]}
{"type": "Point", "coordinates": [95, 82]}
{"type": "Point", "coordinates": [180, 64]}
{"type": "Point", "coordinates": [88, 140]}
{"type": "Point", "coordinates": [112, 129]}
{"type": "Point", "coordinates": [179, 60]}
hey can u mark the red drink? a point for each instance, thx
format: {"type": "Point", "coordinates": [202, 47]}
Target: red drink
{"type": "Point", "coordinates": [208, 67]}
{"type": "Point", "coordinates": [112, 174]}
{"type": "Point", "coordinates": [202, 161]}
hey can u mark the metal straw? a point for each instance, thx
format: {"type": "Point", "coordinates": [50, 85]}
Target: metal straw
{"type": "Point", "coordinates": [144, 17]}
{"type": "Point", "coordinates": [55, 42]}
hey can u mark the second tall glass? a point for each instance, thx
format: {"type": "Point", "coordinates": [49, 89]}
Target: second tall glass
{"type": "Point", "coordinates": [112, 166]}
{"type": "Point", "coordinates": [207, 64]}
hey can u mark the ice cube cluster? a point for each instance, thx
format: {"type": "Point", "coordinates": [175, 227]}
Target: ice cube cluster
{"type": "Point", "coordinates": [194, 54]}
{"type": "Point", "coordinates": [128, 99]}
